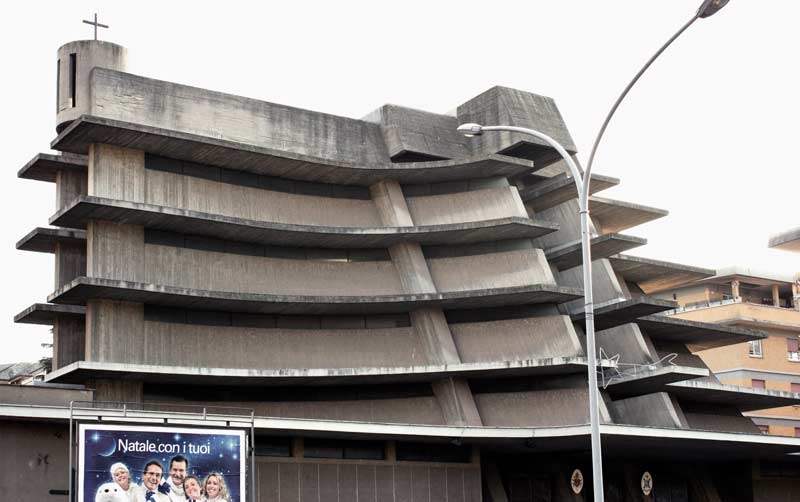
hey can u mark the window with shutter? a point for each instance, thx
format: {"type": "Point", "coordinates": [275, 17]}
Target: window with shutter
{"type": "Point", "coordinates": [758, 384]}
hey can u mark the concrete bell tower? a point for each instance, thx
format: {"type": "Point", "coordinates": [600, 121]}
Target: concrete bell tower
{"type": "Point", "coordinates": [75, 63]}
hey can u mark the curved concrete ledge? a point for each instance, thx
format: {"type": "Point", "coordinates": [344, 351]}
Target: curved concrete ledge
{"type": "Point", "coordinates": [648, 381]}
{"type": "Point", "coordinates": [227, 227]}
{"type": "Point", "coordinates": [46, 313]}
{"type": "Point", "coordinates": [88, 129]}
{"type": "Point", "coordinates": [656, 275]}
{"type": "Point", "coordinates": [84, 288]}
{"type": "Point", "coordinates": [561, 188]}
{"type": "Point", "coordinates": [45, 166]}
{"type": "Point", "coordinates": [616, 216]}
{"type": "Point", "coordinates": [698, 335]}
{"type": "Point", "coordinates": [82, 370]}
{"type": "Point", "coordinates": [570, 255]}
{"type": "Point", "coordinates": [624, 311]}
{"type": "Point", "coordinates": [743, 398]}
{"type": "Point", "coordinates": [44, 240]}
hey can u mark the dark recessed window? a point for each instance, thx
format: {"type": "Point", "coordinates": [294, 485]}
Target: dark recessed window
{"type": "Point", "coordinates": [433, 452]}
{"type": "Point", "coordinates": [73, 76]}
{"type": "Point", "coordinates": [273, 446]}
{"type": "Point", "coordinates": [353, 450]}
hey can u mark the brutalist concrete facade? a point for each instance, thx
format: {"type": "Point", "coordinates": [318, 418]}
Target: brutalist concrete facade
{"type": "Point", "coordinates": [383, 280]}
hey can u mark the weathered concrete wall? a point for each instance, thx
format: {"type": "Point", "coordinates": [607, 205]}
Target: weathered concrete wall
{"type": "Point", "coordinates": [407, 131]}
{"type": "Point", "coordinates": [397, 410]}
{"type": "Point", "coordinates": [652, 410]}
{"type": "Point", "coordinates": [36, 395]}
{"type": "Point", "coordinates": [36, 460]}
{"type": "Point", "coordinates": [115, 251]}
{"type": "Point", "coordinates": [115, 331]}
{"type": "Point", "coordinates": [116, 173]}
{"type": "Point", "coordinates": [69, 341]}
{"type": "Point", "coordinates": [70, 184]}
{"type": "Point", "coordinates": [719, 418]}
{"type": "Point", "coordinates": [198, 194]}
{"type": "Point", "coordinates": [493, 270]}
{"type": "Point", "coordinates": [510, 339]}
{"type": "Point", "coordinates": [477, 205]}
{"type": "Point", "coordinates": [335, 481]}
{"type": "Point", "coordinates": [192, 268]}
{"type": "Point", "coordinates": [182, 108]}
{"type": "Point", "coordinates": [567, 215]}
{"type": "Point", "coordinates": [554, 402]}
{"type": "Point", "coordinates": [233, 347]}
{"type": "Point", "coordinates": [627, 341]}
{"type": "Point", "coordinates": [70, 262]}
{"type": "Point", "coordinates": [605, 285]}
{"type": "Point", "coordinates": [501, 105]}
{"type": "Point", "coordinates": [89, 54]}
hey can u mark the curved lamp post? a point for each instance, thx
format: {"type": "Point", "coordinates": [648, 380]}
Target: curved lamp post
{"type": "Point", "coordinates": [707, 8]}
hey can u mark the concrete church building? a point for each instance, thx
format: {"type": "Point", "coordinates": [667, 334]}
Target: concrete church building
{"type": "Point", "coordinates": [399, 305]}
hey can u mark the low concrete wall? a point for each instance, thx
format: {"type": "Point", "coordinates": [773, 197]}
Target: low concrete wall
{"type": "Point", "coordinates": [652, 410]}
{"type": "Point", "coordinates": [396, 410]}
{"type": "Point", "coordinates": [191, 268]}
{"type": "Point", "coordinates": [131, 98]}
{"type": "Point", "coordinates": [35, 395]}
{"type": "Point", "coordinates": [197, 194]}
{"type": "Point", "coordinates": [532, 338]}
{"type": "Point", "coordinates": [36, 460]}
{"type": "Point", "coordinates": [230, 347]}
{"type": "Point", "coordinates": [557, 406]}
{"type": "Point", "coordinates": [462, 207]}
{"type": "Point", "coordinates": [494, 270]}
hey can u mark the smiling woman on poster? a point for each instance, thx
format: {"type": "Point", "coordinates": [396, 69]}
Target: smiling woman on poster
{"type": "Point", "coordinates": [215, 489]}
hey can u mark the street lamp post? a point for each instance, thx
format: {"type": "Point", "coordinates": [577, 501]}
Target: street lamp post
{"type": "Point", "coordinates": [582, 182]}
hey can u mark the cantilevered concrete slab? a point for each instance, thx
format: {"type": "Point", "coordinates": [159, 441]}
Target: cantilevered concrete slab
{"type": "Point", "coordinates": [624, 311]}
{"type": "Point", "coordinates": [647, 380]}
{"type": "Point", "coordinates": [559, 189]}
{"type": "Point", "coordinates": [656, 275]}
{"type": "Point", "coordinates": [80, 371]}
{"type": "Point", "coordinates": [46, 313]}
{"type": "Point", "coordinates": [82, 289]}
{"type": "Point", "coordinates": [786, 241]}
{"type": "Point", "coordinates": [83, 209]}
{"type": "Point", "coordinates": [569, 255]}
{"type": "Point", "coordinates": [616, 216]}
{"type": "Point", "coordinates": [696, 335]}
{"type": "Point", "coordinates": [743, 398]}
{"type": "Point", "coordinates": [44, 240]}
{"type": "Point", "coordinates": [88, 129]}
{"type": "Point", "coordinates": [45, 166]}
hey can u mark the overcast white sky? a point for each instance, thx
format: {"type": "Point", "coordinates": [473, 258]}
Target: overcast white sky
{"type": "Point", "coordinates": [709, 133]}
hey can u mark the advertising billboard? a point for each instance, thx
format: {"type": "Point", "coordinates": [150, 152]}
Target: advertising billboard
{"type": "Point", "coordinates": [133, 463]}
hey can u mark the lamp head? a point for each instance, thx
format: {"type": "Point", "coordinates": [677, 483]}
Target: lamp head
{"type": "Point", "coordinates": [470, 130]}
{"type": "Point", "coordinates": [710, 7]}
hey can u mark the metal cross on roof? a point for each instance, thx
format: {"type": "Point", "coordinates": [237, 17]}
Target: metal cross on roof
{"type": "Point", "coordinates": [95, 24]}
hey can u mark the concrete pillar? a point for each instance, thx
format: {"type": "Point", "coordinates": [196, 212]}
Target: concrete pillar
{"type": "Point", "coordinates": [115, 251]}
{"type": "Point", "coordinates": [796, 291]}
{"type": "Point", "coordinates": [115, 332]}
{"type": "Point", "coordinates": [735, 290]}
{"type": "Point", "coordinates": [454, 396]}
{"type": "Point", "coordinates": [457, 403]}
{"type": "Point", "coordinates": [70, 262]}
{"type": "Point", "coordinates": [116, 173]}
{"type": "Point", "coordinates": [776, 295]}
{"type": "Point", "coordinates": [69, 341]}
{"type": "Point", "coordinates": [494, 484]}
{"type": "Point", "coordinates": [117, 391]}
{"type": "Point", "coordinates": [70, 184]}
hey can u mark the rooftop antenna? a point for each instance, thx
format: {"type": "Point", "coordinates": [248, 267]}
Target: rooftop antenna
{"type": "Point", "coordinates": [95, 24]}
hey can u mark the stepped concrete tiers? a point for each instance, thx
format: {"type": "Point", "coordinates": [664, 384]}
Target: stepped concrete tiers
{"type": "Point", "coordinates": [381, 281]}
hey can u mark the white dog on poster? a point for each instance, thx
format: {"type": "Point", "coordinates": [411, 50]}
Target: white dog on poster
{"type": "Point", "coordinates": [110, 492]}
